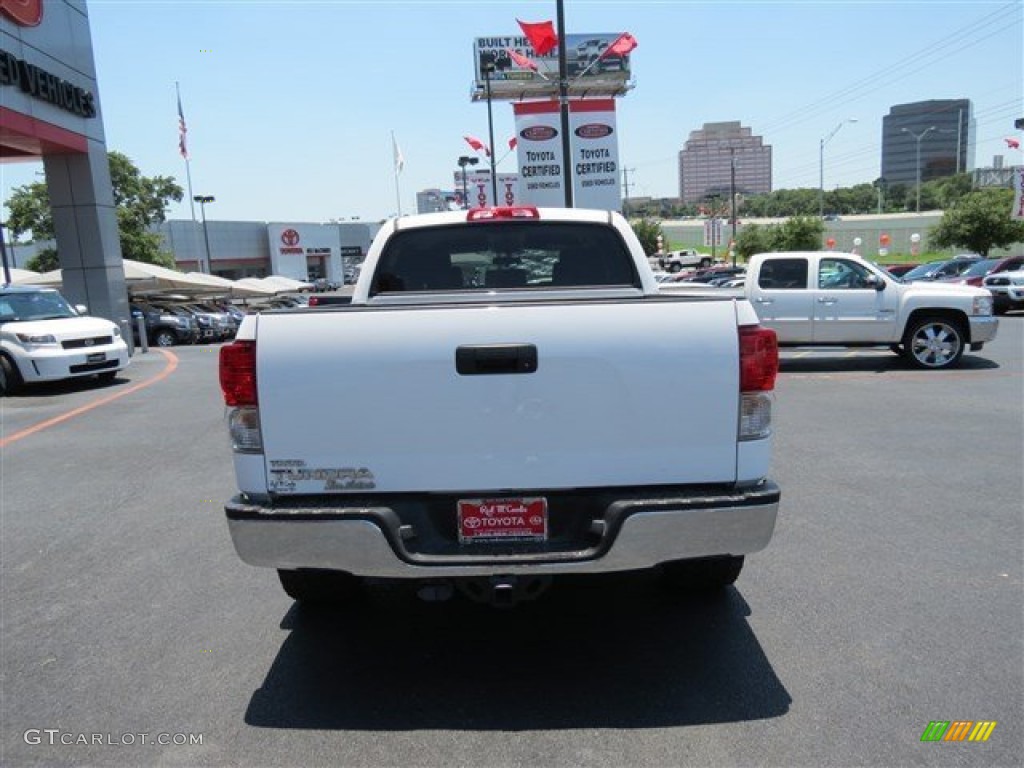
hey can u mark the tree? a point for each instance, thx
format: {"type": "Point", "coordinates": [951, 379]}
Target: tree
{"type": "Point", "coordinates": [751, 239]}
{"type": "Point", "coordinates": [44, 261]}
{"type": "Point", "coordinates": [141, 203]}
{"type": "Point", "coordinates": [647, 231]}
{"type": "Point", "coordinates": [800, 233]}
{"type": "Point", "coordinates": [950, 189]}
{"type": "Point", "coordinates": [979, 222]}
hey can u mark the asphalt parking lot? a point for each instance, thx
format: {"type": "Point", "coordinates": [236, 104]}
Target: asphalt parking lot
{"type": "Point", "coordinates": [890, 597]}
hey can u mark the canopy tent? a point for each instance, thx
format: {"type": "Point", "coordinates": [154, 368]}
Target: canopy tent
{"type": "Point", "coordinates": [145, 279]}
{"type": "Point", "coordinates": [230, 287]}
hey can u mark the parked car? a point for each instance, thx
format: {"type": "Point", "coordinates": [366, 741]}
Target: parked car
{"type": "Point", "coordinates": [899, 270]}
{"type": "Point", "coordinates": [713, 274]}
{"type": "Point", "coordinates": [976, 274]}
{"type": "Point", "coordinates": [43, 338]}
{"type": "Point", "coordinates": [209, 328]}
{"type": "Point", "coordinates": [942, 268]}
{"type": "Point", "coordinates": [163, 328]}
{"type": "Point", "coordinates": [322, 284]}
{"type": "Point", "coordinates": [676, 261]}
{"type": "Point", "coordinates": [1007, 289]}
{"type": "Point", "coordinates": [226, 321]}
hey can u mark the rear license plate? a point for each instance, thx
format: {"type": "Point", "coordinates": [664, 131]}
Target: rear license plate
{"type": "Point", "coordinates": [96, 357]}
{"type": "Point", "coordinates": [503, 519]}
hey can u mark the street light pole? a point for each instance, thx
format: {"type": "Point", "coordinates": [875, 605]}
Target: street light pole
{"type": "Point", "coordinates": [821, 165]}
{"type": "Point", "coordinates": [563, 104]}
{"type": "Point", "coordinates": [203, 200]}
{"type": "Point", "coordinates": [732, 200]}
{"type": "Point", "coordinates": [918, 137]}
{"type": "Point", "coordinates": [463, 162]}
{"type": "Point", "coordinates": [488, 65]}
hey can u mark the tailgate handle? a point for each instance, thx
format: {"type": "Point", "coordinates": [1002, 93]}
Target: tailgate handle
{"type": "Point", "coordinates": [483, 359]}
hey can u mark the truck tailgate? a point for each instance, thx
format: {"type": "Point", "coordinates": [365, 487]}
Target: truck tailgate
{"type": "Point", "coordinates": [624, 393]}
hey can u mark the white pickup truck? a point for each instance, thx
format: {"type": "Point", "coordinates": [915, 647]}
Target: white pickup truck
{"type": "Point", "coordinates": [825, 298]}
{"type": "Point", "coordinates": [481, 416]}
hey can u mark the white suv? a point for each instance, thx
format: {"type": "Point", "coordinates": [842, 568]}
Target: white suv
{"type": "Point", "coordinates": [43, 338]}
{"type": "Point", "coordinates": [1007, 289]}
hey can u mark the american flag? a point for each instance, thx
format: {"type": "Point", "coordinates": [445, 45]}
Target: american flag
{"type": "Point", "coordinates": [182, 131]}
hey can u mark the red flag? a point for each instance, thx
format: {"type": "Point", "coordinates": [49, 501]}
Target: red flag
{"type": "Point", "coordinates": [512, 143]}
{"type": "Point", "coordinates": [541, 35]}
{"type": "Point", "coordinates": [521, 60]}
{"type": "Point", "coordinates": [1012, 143]}
{"type": "Point", "coordinates": [623, 44]}
{"type": "Point", "coordinates": [478, 145]}
{"type": "Point", "coordinates": [182, 132]}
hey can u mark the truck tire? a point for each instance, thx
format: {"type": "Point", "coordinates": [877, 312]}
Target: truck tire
{"type": "Point", "coordinates": [164, 338]}
{"type": "Point", "coordinates": [934, 342]}
{"type": "Point", "coordinates": [10, 377]}
{"type": "Point", "coordinates": [318, 587]}
{"type": "Point", "coordinates": [708, 574]}
{"type": "Point", "coordinates": [705, 263]}
{"type": "Point", "coordinates": [675, 267]}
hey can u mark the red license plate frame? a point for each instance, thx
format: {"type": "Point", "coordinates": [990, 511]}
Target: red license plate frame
{"type": "Point", "coordinates": [518, 519]}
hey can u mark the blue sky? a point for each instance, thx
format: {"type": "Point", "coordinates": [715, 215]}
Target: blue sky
{"type": "Point", "coordinates": [291, 105]}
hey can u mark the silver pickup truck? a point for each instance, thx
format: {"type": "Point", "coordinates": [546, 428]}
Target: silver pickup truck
{"type": "Point", "coordinates": [480, 416]}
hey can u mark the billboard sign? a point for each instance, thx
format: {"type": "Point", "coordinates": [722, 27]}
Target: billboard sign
{"type": "Point", "coordinates": [478, 188]}
{"type": "Point", "coordinates": [588, 71]}
{"type": "Point", "coordinates": [594, 147]}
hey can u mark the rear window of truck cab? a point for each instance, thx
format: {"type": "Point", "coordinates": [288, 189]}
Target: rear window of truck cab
{"type": "Point", "coordinates": [504, 255]}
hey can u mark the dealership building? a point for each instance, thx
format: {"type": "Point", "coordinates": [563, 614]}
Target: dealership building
{"type": "Point", "coordinates": [50, 111]}
{"type": "Point", "coordinates": [237, 249]}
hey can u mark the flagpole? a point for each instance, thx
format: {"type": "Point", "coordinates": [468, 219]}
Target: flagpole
{"type": "Point", "coordinates": [183, 146]}
{"type": "Point", "coordinates": [188, 169]}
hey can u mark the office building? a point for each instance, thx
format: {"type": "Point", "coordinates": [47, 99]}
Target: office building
{"type": "Point", "coordinates": [706, 163]}
{"type": "Point", "coordinates": [938, 133]}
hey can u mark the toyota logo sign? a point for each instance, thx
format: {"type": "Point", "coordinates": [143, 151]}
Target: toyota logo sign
{"type": "Point", "coordinates": [26, 13]}
{"type": "Point", "coordinates": [290, 237]}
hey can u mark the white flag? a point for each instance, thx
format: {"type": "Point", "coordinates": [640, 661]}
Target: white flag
{"type": "Point", "coordinates": [399, 160]}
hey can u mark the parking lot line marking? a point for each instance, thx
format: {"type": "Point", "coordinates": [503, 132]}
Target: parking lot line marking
{"type": "Point", "coordinates": [172, 364]}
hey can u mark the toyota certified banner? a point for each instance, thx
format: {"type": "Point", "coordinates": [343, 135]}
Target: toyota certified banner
{"type": "Point", "coordinates": [595, 154]}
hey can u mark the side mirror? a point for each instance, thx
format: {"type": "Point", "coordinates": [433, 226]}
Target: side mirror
{"type": "Point", "coordinates": [81, 309]}
{"type": "Point", "coordinates": [876, 282]}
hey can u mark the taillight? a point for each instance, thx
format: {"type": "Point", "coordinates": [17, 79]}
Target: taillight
{"type": "Point", "coordinates": [503, 212]}
{"type": "Point", "coordinates": [238, 373]}
{"type": "Point", "coordinates": [759, 358]}
{"type": "Point", "coordinates": [759, 364]}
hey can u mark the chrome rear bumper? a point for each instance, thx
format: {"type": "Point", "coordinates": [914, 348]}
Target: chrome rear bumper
{"type": "Point", "coordinates": [365, 541]}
